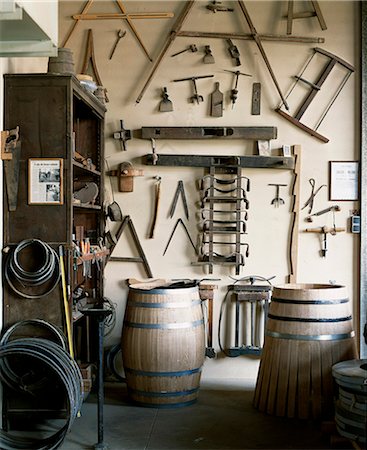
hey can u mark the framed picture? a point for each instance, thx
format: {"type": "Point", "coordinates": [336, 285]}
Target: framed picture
{"type": "Point", "coordinates": [287, 150]}
{"type": "Point", "coordinates": [45, 181]}
{"type": "Point", "coordinates": [344, 177]}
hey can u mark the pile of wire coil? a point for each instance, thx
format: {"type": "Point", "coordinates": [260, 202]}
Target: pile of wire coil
{"type": "Point", "coordinates": [54, 359]}
{"type": "Point", "coordinates": [38, 282]}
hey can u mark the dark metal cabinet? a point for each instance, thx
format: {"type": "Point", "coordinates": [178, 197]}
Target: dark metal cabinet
{"type": "Point", "coordinates": [56, 117]}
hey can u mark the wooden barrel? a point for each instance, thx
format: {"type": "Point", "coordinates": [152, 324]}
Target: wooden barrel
{"type": "Point", "coordinates": [351, 403]}
{"type": "Point", "coordinates": [62, 63]}
{"type": "Point", "coordinates": [309, 329]}
{"type": "Point", "coordinates": [163, 346]}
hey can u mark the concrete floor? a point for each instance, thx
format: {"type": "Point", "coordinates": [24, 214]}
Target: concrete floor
{"type": "Point", "coordinates": [223, 418]}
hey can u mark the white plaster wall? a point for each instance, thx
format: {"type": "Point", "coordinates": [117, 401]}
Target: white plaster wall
{"type": "Point", "coordinates": [268, 227]}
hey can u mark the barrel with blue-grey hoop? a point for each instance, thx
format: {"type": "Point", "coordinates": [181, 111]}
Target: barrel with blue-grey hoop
{"type": "Point", "coordinates": [163, 346]}
{"type": "Point", "coordinates": [309, 328]}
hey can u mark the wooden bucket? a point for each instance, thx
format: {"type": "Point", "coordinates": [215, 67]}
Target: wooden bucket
{"type": "Point", "coordinates": [163, 346]}
{"type": "Point", "coordinates": [309, 329]}
{"type": "Point", "coordinates": [62, 63]}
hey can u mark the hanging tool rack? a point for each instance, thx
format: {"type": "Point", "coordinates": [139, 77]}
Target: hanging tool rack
{"type": "Point", "coordinates": [224, 199]}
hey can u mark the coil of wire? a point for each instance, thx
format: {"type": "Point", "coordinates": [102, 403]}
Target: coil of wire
{"type": "Point", "coordinates": [35, 283]}
{"type": "Point", "coordinates": [67, 371]}
{"type": "Point", "coordinates": [37, 379]}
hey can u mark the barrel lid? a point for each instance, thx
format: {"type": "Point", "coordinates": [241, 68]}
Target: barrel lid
{"type": "Point", "coordinates": [352, 372]}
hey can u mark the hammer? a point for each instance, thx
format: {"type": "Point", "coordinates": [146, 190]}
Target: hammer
{"type": "Point", "coordinates": [192, 47]}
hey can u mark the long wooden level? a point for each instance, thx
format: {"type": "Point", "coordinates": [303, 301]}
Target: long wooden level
{"type": "Point", "coordinates": [252, 161]}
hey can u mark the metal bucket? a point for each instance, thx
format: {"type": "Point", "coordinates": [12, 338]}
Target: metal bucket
{"type": "Point", "coordinates": [163, 346]}
{"type": "Point", "coordinates": [309, 328]}
{"type": "Point", "coordinates": [63, 63]}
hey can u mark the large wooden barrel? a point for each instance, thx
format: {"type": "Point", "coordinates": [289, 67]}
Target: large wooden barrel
{"type": "Point", "coordinates": [351, 399]}
{"type": "Point", "coordinates": [163, 346]}
{"type": "Point", "coordinates": [309, 329]}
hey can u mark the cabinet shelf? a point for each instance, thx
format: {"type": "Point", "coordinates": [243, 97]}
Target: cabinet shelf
{"type": "Point", "coordinates": [79, 165]}
{"type": "Point", "coordinates": [86, 207]}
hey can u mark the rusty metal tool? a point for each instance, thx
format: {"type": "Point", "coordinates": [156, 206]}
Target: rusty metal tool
{"type": "Point", "coordinates": [216, 101]}
{"type": "Point", "coordinates": [180, 190]}
{"type": "Point", "coordinates": [323, 211]}
{"type": "Point", "coordinates": [208, 58]}
{"type": "Point", "coordinates": [165, 105]}
{"type": "Point", "coordinates": [313, 194]}
{"type": "Point", "coordinates": [234, 91]}
{"type": "Point", "coordinates": [157, 191]}
{"type": "Point", "coordinates": [191, 48]}
{"type": "Point", "coordinates": [257, 39]}
{"type": "Point", "coordinates": [170, 39]}
{"type": "Point", "coordinates": [256, 99]}
{"type": "Point", "coordinates": [325, 231]}
{"type": "Point", "coordinates": [195, 97]}
{"type": "Point", "coordinates": [123, 136]}
{"type": "Point", "coordinates": [120, 34]}
{"type": "Point", "coordinates": [180, 221]}
{"type": "Point", "coordinates": [277, 200]}
{"type": "Point", "coordinates": [234, 52]}
{"type": "Point", "coordinates": [90, 58]}
{"type": "Point", "coordinates": [215, 6]}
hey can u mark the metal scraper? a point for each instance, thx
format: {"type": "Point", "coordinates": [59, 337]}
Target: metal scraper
{"type": "Point", "coordinates": [216, 99]}
{"type": "Point", "coordinates": [165, 104]}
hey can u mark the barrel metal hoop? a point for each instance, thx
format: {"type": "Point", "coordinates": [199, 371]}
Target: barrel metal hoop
{"type": "Point", "coordinates": [181, 373]}
{"type": "Point", "coordinates": [308, 320]}
{"type": "Point", "coordinates": [165, 326]}
{"type": "Point", "coordinates": [165, 405]}
{"type": "Point", "coordinates": [165, 291]}
{"type": "Point", "coordinates": [310, 302]}
{"type": "Point", "coordinates": [163, 394]}
{"type": "Point", "coordinates": [311, 337]}
{"type": "Point", "coordinates": [163, 304]}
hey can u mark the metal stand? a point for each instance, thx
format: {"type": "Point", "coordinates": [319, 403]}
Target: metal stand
{"type": "Point", "coordinates": [99, 315]}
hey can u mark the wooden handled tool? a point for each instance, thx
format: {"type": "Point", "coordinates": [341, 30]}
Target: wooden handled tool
{"type": "Point", "coordinates": [216, 102]}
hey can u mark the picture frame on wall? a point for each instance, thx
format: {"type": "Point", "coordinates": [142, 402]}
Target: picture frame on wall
{"type": "Point", "coordinates": [343, 180]}
{"type": "Point", "coordinates": [45, 186]}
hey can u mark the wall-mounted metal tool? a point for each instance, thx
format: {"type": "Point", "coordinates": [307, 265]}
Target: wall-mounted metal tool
{"type": "Point", "coordinates": [325, 231]}
{"type": "Point", "coordinates": [332, 62]}
{"type": "Point", "coordinates": [277, 200]}
{"type": "Point", "coordinates": [122, 135]}
{"type": "Point", "coordinates": [313, 194]}
{"type": "Point", "coordinates": [180, 190]}
{"type": "Point", "coordinates": [234, 91]}
{"type": "Point", "coordinates": [10, 154]}
{"type": "Point", "coordinates": [195, 97]}
{"type": "Point", "coordinates": [216, 101]}
{"type": "Point", "coordinates": [234, 52]}
{"type": "Point", "coordinates": [126, 174]}
{"type": "Point", "coordinates": [323, 211]}
{"type": "Point", "coordinates": [256, 99]}
{"type": "Point", "coordinates": [165, 105]}
{"type": "Point", "coordinates": [191, 48]}
{"type": "Point", "coordinates": [316, 12]}
{"type": "Point", "coordinates": [157, 196]}
{"type": "Point", "coordinates": [215, 6]}
{"type": "Point", "coordinates": [120, 34]}
{"type": "Point", "coordinates": [180, 221]}
{"type": "Point", "coordinates": [208, 57]}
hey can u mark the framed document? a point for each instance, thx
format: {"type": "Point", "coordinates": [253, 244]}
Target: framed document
{"type": "Point", "coordinates": [344, 177]}
{"type": "Point", "coordinates": [45, 181]}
